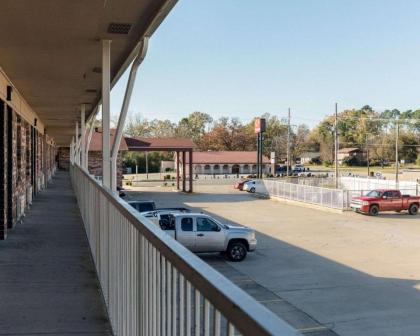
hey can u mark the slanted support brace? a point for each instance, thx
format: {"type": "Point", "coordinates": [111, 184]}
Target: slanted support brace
{"type": "Point", "coordinates": [89, 136]}
{"type": "Point", "coordinates": [123, 115]}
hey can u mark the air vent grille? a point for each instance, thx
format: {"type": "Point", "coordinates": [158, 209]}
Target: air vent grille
{"type": "Point", "coordinates": [119, 28]}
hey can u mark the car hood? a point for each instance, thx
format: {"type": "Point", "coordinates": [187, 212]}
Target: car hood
{"type": "Point", "coordinates": [239, 228]}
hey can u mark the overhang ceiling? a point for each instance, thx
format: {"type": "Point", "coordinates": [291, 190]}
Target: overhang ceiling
{"type": "Point", "coordinates": [52, 52]}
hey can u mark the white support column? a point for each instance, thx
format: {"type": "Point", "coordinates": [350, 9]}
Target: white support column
{"type": "Point", "coordinates": [76, 148]}
{"type": "Point", "coordinates": [106, 119]}
{"type": "Point", "coordinates": [123, 115]}
{"type": "Point", "coordinates": [83, 136]}
{"type": "Point", "coordinates": [72, 151]}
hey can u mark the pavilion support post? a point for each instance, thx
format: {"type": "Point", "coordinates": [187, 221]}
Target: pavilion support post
{"type": "Point", "coordinates": [191, 170]}
{"type": "Point", "coordinates": [177, 170]}
{"type": "Point", "coordinates": [106, 118]}
{"type": "Point", "coordinates": [183, 171]}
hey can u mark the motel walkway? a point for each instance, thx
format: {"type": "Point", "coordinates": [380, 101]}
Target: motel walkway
{"type": "Point", "coordinates": [48, 284]}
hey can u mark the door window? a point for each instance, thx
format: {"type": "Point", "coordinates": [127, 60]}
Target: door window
{"type": "Point", "coordinates": [206, 224]}
{"type": "Point", "coordinates": [395, 194]}
{"type": "Point", "coordinates": [187, 224]}
{"type": "Point", "coordinates": [388, 194]}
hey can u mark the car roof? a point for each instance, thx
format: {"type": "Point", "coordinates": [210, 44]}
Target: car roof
{"type": "Point", "coordinates": [191, 214]}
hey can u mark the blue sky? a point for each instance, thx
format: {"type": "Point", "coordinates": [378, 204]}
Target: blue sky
{"type": "Point", "coordinates": [242, 58]}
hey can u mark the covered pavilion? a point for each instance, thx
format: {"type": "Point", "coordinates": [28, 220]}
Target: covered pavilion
{"type": "Point", "coordinates": [180, 146]}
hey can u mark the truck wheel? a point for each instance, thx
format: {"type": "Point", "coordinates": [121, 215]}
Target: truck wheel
{"type": "Point", "coordinates": [413, 209]}
{"type": "Point", "coordinates": [236, 251]}
{"type": "Point", "coordinates": [252, 190]}
{"type": "Point", "coordinates": [374, 210]}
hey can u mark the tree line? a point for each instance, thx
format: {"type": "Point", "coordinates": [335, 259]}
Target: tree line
{"type": "Point", "coordinates": [363, 128]}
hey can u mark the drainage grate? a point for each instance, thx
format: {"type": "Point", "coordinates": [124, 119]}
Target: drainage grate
{"type": "Point", "coordinates": [119, 28]}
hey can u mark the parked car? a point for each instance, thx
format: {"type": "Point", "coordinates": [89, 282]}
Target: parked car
{"type": "Point", "coordinates": [150, 206]}
{"type": "Point", "coordinates": [240, 184]}
{"type": "Point", "coordinates": [298, 168]}
{"type": "Point", "coordinates": [385, 200]}
{"type": "Point", "coordinates": [143, 206]}
{"type": "Point", "coordinates": [158, 213]}
{"type": "Point", "coordinates": [121, 192]}
{"type": "Point", "coordinates": [249, 186]}
{"type": "Point", "coordinates": [201, 233]}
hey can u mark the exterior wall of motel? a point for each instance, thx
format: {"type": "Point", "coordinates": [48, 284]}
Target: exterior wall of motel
{"type": "Point", "coordinates": [95, 163]}
{"type": "Point", "coordinates": [27, 156]}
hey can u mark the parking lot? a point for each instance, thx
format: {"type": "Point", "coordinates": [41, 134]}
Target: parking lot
{"type": "Point", "coordinates": [325, 273]}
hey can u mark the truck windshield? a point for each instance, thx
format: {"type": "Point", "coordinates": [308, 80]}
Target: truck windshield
{"type": "Point", "coordinates": [374, 193]}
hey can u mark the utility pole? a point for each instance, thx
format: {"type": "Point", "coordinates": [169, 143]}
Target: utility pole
{"type": "Point", "coordinates": [147, 166]}
{"type": "Point", "coordinates": [336, 145]}
{"type": "Point", "coordinates": [288, 143]}
{"type": "Point", "coordinates": [397, 164]}
{"type": "Point", "coordinates": [367, 155]}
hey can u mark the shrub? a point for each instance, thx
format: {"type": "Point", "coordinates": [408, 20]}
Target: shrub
{"type": "Point", "coordinates": [315, 161]}
{"type": "Point", "coordinates": [418, 160]}
{"type": "Point", "coordinates": [350, 161]}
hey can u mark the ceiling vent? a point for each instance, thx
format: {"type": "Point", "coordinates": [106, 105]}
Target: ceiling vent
{"type": "Point", "coordinates": [119, 28]}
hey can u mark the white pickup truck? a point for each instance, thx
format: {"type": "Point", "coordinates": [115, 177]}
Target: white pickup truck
{"type": "Point", "coordinates": [201, 233]}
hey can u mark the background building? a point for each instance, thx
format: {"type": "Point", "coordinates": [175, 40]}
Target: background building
{"type": "Point", "coordinates": [356, 154]}
{"type": "Point", "coordinates": [228, 162]}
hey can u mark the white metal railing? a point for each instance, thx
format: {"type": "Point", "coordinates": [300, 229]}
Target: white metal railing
{"type": "Point", "coordinates": [330, 197]}
{"type": "Point", "coordinates": [326, 197]}
{"type": "Point", "coordinates": [152, 285]}
{"type": "Point", "coordinates": [362, 184]}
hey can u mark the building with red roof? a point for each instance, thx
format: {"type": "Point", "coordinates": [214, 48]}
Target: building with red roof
{"type": "Point", "coordinates": [227, 162]}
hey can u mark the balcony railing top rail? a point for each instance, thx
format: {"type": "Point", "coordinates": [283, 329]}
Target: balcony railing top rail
{"type": "Point", "coordinates": [152, 285]}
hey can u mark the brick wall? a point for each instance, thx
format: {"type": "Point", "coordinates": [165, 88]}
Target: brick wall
{"type": "Point", "coordinates": [95, 165]}
{"type": "Point", "coordinates": [12, 168]}
{"type": "Point", "coordinates": [95, 162]}
{"type": "Point", "coordinates": [3, 171]}
{"type": "Point", "coordinates": [64, 158]}
{"type": "Point", "coordinates": [20, 167]}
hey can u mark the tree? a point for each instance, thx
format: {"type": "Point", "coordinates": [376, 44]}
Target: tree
{"type": "Point", "coordinates": [194, 126]}
{"type": "Point", "coordinates": [149, 129]}
{"type": "Point", "coordinates": [229, 135]}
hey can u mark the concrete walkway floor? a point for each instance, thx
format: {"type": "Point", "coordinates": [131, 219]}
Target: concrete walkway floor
{"type": "Point", "coordinates": [48, 284]}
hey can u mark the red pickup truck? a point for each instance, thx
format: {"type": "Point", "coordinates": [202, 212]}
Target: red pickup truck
{"type": "Point", "coordinates": [385, 200]}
